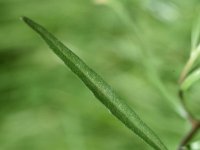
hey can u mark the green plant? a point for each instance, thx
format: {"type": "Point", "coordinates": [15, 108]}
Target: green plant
{"type": "Point", "coordinates": [100, 88]}
{"type": "Point", "coordinates": [189, 76]}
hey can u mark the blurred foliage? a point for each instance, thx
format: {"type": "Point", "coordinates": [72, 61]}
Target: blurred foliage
{"type": "Point", "coordinates": [138, 46]}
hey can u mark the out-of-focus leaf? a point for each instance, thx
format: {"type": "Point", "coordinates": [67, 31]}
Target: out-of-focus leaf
{"type": "Point", "coordinates": [195, 35]}
{"type": "Point", "coordinates": [193, 146]}
{"type": "Point", "coordinates": [190, 80]}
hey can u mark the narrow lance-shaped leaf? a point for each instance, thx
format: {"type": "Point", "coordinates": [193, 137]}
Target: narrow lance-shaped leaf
{"type": "Point", "coordinates": [100, 88]}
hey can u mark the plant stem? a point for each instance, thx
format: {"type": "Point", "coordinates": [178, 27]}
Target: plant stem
{"type": "Point", "coordinates": [190, 134]}
{"type": "Point", "coordinates": [193, 121]}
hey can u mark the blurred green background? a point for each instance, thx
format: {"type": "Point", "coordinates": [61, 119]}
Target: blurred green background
{"type": "Point", "coordinates": [138, 46]}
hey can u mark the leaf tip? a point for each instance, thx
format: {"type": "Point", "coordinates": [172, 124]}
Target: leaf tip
{"type": "Point", "coordinates": [25, 19]}
{"type": "Point", "coordinates": [30, 23]}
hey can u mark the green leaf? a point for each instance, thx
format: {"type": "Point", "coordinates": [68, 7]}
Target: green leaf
{"type": "Point", "coordinates": [99, 87]}
{"type": "Point", "coordinates": [190, 80]}
{"type": "Point", "coordinates": [195, 34]}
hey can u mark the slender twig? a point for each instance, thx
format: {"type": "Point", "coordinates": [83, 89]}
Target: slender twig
{"type": "Point", "coordinates": [193, 121]}
{"type": "Point", "coordinates": [188, 137]}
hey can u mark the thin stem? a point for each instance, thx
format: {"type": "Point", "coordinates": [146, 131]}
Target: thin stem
{"type": "Point", "coordinates": [194, 123]}
{"type": "Point", "coordinates": [190, 135]}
